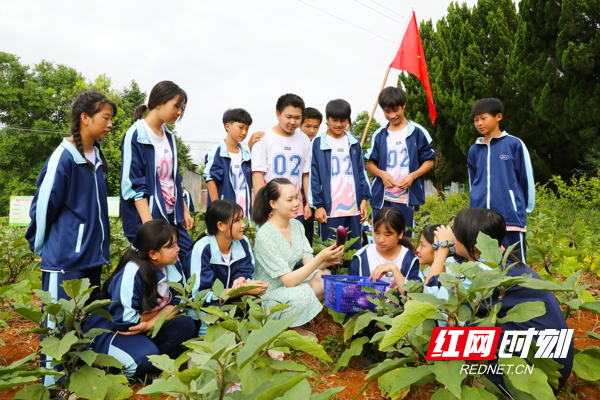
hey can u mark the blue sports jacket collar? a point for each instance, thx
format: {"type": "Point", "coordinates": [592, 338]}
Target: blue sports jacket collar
{"type": "Point", "coordinates": [77, 157]}
{"type": "Point", "coordinates": [479, 140]}
{"type": "Point", "coordinates": [237, 251]}
{"type": "Point", "coordinates": [171, 272]}
{"type": "Point", "coordinates": [325, 146]}
{"type": "Point", "coordinates": [142, 135]}
{"type": "Point", "coordinates": [223, 152]}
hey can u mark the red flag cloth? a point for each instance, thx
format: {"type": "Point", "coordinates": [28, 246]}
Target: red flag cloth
{"type": "Point", "coordinates": [411, 58]}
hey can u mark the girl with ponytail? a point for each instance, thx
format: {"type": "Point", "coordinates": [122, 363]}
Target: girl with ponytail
{"type": "Point", "coordinates": [151, 185]}
{"type": "Point", "coordinates": [69, 225]}
{"type": "Point", "coordinates": [140, 294]}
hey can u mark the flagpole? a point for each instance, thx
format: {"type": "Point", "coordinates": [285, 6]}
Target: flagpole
{"type": "Point", "coordinates": [364, 136]}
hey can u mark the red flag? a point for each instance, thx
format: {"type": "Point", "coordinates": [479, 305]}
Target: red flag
{"type": "Point", "coordinates": [411, 58]}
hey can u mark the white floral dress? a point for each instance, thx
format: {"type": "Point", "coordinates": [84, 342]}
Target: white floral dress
{"type": "Point", "coordinates": [275, 257]}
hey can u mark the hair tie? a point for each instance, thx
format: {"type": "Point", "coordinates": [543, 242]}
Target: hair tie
{"type": "Point", "coordinates": [134, 248]}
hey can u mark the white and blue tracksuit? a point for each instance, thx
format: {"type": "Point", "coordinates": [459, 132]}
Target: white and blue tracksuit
{"type": "Point", "coordinates": [69, 225]}
{"type": "Point", "coordinates": [139, 180]}
{"type": "Point", "coordinates": [319, 191]}
{"type": "Point", "coordinates": [127, 290]}
{"type": "Point", "coordinates": [359, 266]}
{"type": "Point", "coordinates": [501, 179]}
{"type": "Point", "coordinates": [418, 144]}
{"type": "Point", "coordinates": [218, 170]}
{"type": "Point", "coordinates": [552, 319]}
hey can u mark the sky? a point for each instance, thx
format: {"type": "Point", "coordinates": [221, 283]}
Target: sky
{"type": "Point", "coordinates": [224, 54]}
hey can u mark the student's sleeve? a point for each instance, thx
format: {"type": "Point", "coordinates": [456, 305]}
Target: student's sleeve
{"type": "Point", "coordinates": [306, 155]}
{"type": "Point", "coordinates": [365, 189]}
{"type": "Point", "coordinates": [134, 185]}
{"type": "Point", "coordinates": [128, 292]}
{"type": "Point", "coordinates": [424, 146]}
{"type": "Point", "coordinates": [315, 199]}
{"type": "Point", "coordinates": [259, 157]}
{"type": "Point", "coordinates": [373, 152]}
{"type": "Point", "coordinates": [410, 269]}
{"type": "Point", "coordinates": [191, 207]}
{"type": "Point", "coordinates": [53, 186]}
{"type": "Point", "coordinates": [246, 266]}
{"type": "Point", "coordinates": [472, 167]}
{"type": "Point", "coordinates": [214, 170]}
{"type": "Point", "coordinates": [524, 173]}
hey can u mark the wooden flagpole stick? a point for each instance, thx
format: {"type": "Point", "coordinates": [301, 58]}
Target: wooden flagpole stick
{"type": "Point", "coordinates": [364, 136]}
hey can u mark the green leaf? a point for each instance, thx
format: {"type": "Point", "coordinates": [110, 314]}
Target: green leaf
{"type": "Point", "coordinates": [486, 280]}
{"type": "Point", "coordinates": [103, 313]}
{"type": "Point", "coordinates": [363, 320]}
{"type": "Point", "coordinates": [410, 376]}
{"type": "Point", "coordinates": [535, 384]}
{"type": "Point", "coordinates": [32, 315]}
{"type": "Point", "coordinates": [17, 381]}
{"type": "Point", "coordinates": [386, 382]}
{"type": "Point", "coordinates": [279, 385]}
{"type": "Point", "coordinates": [161, 386]}
{"type": "Point", "coordinates": [591, 306]}
{"type": "Point", "coordinates": [92, 333]}
{"type": "Point", "coordinates": [448, 374]}
{"type": "Point", "coordinates": [88, 357]}
{"type": "Point", "coordinates": [56, 348]}
{"type": "Point", "coordinates": [328, 394]}
{"type": "Point", "coordinates": [89, 383]}
{"type": "Point", "coordinates": [218, 288]}
{"type": "Point", "coordinates": [443, 394]}
{"type": "Point", "coordinates": [104, 360]}
{"type": "Point", "coordinates": [469, 393]}
{"type": "Point", "coordinates": [33, 392]}
{"type": "Point", "coordinates": [300, 391]}
{"type": "Point", "coordinates": [44, 296]}
{"type": "Point", "coordinates": [95, 305]}
{"type": "Point", "coordinates": [354, 350]}
{"type": "Point", "coordinates": [164, 363]}
{"type": "Point", "coordinates": [338, 317]}
{"type": "Point", "coordinates": [258, 340]}
{"type": "Point", "coordinates": [251, 378]}
{"type": "Point", "coordinates": [427, 298]}
{"type": "Point", "coordinates": [586, 364]}
{"type": "Point", "coordinates": [538, 284]}
{"type": "Point", "coordinates": [349, 328]}
{"type": "Point", "coordinates": [242, 289]}
{"type": "Point", "coordinates": [414, 314]}
{"type": "Point", "coordinates": [159, 323]}
{"type": "Point", "coordinates": [307, 344]}
{"type": "Point", "coordinates": [592, 335]}
{"type": "Point", "coordinates": [118, 387]}
{"type": "Point", "coordinates": [489, 248]}
{"type": "Point", "coordinates": [75, 287]}
{"type": "Point", "coordinates": [524, 312]}
{"type": "Point", "coordinates": [550, 367]}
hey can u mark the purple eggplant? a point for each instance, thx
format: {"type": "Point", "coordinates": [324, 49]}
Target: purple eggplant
{"type": "Point", "coordinates": [342, 236]}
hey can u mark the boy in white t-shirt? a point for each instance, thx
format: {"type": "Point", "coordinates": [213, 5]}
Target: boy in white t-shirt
{"type": "Point", "coordinates": [283, 151]}
{"type": "Point", "coordinates": [339, 189]}
{"type": "Point", "coordinates": [228, 170]}
{"type": "Point", "coordinates": [399, 156]}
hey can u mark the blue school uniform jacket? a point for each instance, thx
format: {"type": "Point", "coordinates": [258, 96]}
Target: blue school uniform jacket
{"type": "Point", "coordinates": [187, 197]}
{"type": "Point", "coordinates": [418, 144]}
{"type": "Point", "coordinates": [319, 191]}
{"type": "Point", "coordinates": [359, 266]}
{"type": "Point", "coordinates": [139, 179]}
{"type": "Point", "coordinates": [501, 178]}
{"type": "Point", "coordinates": [552, 319]}
{"type": "Point", "coordinates": [207, 264]}
{"type": "Point", "coordinates": [69, 224]}
{"type": "Point", "coordinates": [218, 169]}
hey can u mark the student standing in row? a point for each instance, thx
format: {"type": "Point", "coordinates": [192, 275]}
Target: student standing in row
{"type": "Point", "coordinates": [500, 173]}
{"type": "Point", "coordinates": [151, 185]}
{"type": "Point", "coordinates": [228, 170]}
{"type": "Point", "coordinates": [399, 156]}
{"type": "Point", "coordinates": [339, 189]}
{"type": "Point", "coordinates": [69, 225]}
{"type": "Point", "coordinates": [283, 151]}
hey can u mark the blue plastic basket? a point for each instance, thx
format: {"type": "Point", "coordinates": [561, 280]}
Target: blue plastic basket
{"type": "Point", "coordinates": [345, 294]}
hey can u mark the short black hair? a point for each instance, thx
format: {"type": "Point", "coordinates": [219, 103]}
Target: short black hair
{"type": "Point", "coordinates": [237, 115]}
{"type": "Point", "coordinates": [289, 99]}
{"type": "Point", "coordinates": [312, 113]}
{"type": "Point", "coordinates": [392, 97]}
{"type": "Point", "coordinates": [338, 109]}
{"type": "Point", "coordinates": [490, 106]}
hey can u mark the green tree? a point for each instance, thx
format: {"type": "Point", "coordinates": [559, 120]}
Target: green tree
{"type": "Point", "coordinates": [357, 128]}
